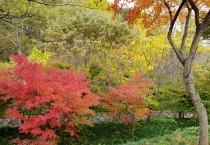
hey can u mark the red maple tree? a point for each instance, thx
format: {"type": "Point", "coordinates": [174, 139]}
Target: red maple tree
{"type": "Point", "coordinates": [128, 101]}
{"type": "Point", "coordinates": [46, 99]}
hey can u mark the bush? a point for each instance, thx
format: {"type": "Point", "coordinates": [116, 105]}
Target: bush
{"type": "Point", "coordinates": [46, 100]}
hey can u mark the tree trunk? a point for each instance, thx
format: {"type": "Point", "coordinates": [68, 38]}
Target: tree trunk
{"type": "Point", "coordinates": [198, 104]}
{"type": "Point", "coordinates": [132, 131]}
{"type": "Point", "coordinates": [19, 40]}
{"type": "Point", "coordinates": [181, 114]}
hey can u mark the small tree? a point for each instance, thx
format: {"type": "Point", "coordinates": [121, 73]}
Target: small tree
{"type": "Point", "coordinates": [128, 101]}
{"type": "Point", "coordinates": [46, 100]}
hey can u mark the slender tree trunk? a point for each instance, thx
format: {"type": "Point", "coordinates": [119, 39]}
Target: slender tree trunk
{"type": "Point", "coordinates": [19, 40]}
{"type": "Point", "coordinates": [132, 132]}
{"type": "Point", "coordinates": [19, 37]}
{"type": "Point", "coordinates": [181, 114]}
{"type": "Point", "coordinates": [198, 104]}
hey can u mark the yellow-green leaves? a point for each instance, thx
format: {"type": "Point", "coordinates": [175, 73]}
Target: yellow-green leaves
{"type": "Point", "coordinates": [42, 57]}
{"type": "Point", "coordinates": [98, 4]}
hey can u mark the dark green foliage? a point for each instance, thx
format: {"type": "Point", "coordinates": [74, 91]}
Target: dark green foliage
{"type": "Point", "coordinates": [7, 134]}
{"type": "Point", "coordinates": [205, 95]}
{"type": "Point", "coordinates": [173, 97]}
{"type": "Point", "coordinates": [161, 126]}
{"type": "Point", "coordinates": [2, 108]}
{"type": "Point", "coordinates": [102, 133]}
{"type": "Point", "coordinates": [60, 65]}
{"type": "Point", "coordinates": [99, 109]}
{"type": "Point", "coordinates": [94, 71]}
{"type": "Point", "coordinates": [206, 34]}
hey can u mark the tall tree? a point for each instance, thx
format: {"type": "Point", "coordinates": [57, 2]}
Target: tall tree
{"type": "Point", "coordinates": [153, 12]}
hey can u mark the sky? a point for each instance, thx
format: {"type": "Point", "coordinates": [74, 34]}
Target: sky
{"type": "Point", "coordinates": [131, 4]}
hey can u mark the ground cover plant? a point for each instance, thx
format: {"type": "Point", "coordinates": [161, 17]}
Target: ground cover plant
{"type": "Point", "coordinates": [107, 133]}
{"type": "Point", "coordinates": [185, 136]}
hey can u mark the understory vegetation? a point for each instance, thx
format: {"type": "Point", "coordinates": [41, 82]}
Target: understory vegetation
{"type": "Point", "coordinates": [158, 130]}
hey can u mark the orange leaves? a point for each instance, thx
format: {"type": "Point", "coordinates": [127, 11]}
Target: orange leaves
{"type": "Point", "coordinates": [154, 12]}
{"type": "Point", "coordinates": [14, 112]}
{"type": "Point", "coordinates": [45, 99]}
{"type": "Point", "coordinates": [149, 11]}
{"type": "Point", "coordinates": [48, 134]}
{"type": "Point", "coordinates": [128, 99]}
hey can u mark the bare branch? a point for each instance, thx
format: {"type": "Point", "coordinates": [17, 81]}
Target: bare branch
{"type": "Point", "coordinates": [13, 42]}
{"type": "Point", "coordinates": [4, 15]}
{"type": "Point", "coordinates": [197, 13]}
{"type": "Point", "coordinates": [198, 35]}
{"type": "Point", "coordinates": [31, 33]}
{"type": "Point", "coordinates": [9, 16]}
{"type": "Point", "coordinates": [55, 5]}
{"type": "Point", "coordinates": [177, 14]}
{"type": "Point", "coordinates": [185, 29]}
{"type": "Point", "coordinates": [169, 11]}
{"type": "Point", "coordinates": [4, 37]}
{"type": "Point", "coordinates": [172, 22]}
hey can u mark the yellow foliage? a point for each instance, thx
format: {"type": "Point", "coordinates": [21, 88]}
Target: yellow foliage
{"type": "Point", "coordinates": [101, 4]}
{"type": "Point", "coordinates": [41, 57]}
{"type": "Point", "coordinates": [5, 64]}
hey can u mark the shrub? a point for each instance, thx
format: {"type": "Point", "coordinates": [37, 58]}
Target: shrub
{"type": "Point", "coordinates": [128, 101]}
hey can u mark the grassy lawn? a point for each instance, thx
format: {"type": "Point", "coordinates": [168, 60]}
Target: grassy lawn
{"type": "Point", "coordinates": [186, 136]}
{"type": "Point", "coordinates": [109, 133]}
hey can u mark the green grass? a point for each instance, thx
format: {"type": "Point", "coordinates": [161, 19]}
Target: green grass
{"type": "Point", "coordinates": [186, 136]}
{"type": "Point", "coordinates": [109, 133]}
